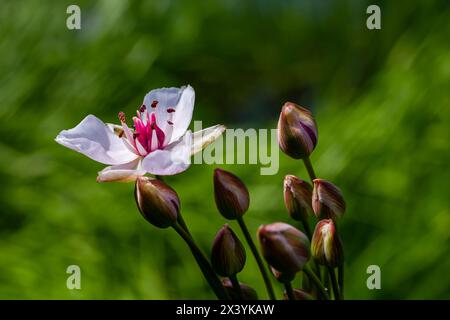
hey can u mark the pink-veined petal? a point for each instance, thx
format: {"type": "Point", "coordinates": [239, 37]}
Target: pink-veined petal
{"type": "Point", "coordinates": [174, 159]}
{"type": "Point", "coordinates": [173, 104]}
{"type": "Point", "coordinates": [96, 140]}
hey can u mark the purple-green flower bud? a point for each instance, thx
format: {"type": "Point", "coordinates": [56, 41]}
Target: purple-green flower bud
{"type": "Point", "coordinates": [158, 203]}
{"type": "Point", "coordinates": [327, 200]}
{"type": "Point", "coordinates": [231, 194]}
{"type": "Point", "coordinates": [228, 253]}
{"type": "Point", "coordinates": [297, 131]}
{"type": "Point", "coordinates": [282, 277]}
{"type": "Point", "coordinates": [297, 197]}
{"type": "Point", "coordinates": [248, 293]}
{"type": "Point", "coordinates": [326, 245]}
{"type": "Point", "coordinates": [299, 295]}
{"type": "Point", "coordinates": [284, 247]}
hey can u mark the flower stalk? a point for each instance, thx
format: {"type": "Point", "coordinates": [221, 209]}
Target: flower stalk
{"type": "Point", "coordinates": [258, 259]}
{"type": "Point", "coordinates": [203, 263]}
{"type": "Point", "coordinates": [289, 290]}
{"type": "Point", "coordinates": [236, 286]}
{"type": "Point", "coordinates": [334, 284]}
{"type": "Point", "coordinates": [316, 281]}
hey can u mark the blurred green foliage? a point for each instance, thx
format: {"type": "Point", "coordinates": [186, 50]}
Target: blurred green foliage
{"type": "Point", "coordinates": [381, 99]}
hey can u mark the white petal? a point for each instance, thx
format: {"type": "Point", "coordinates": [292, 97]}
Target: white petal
{"type": "Point", "coordinates": [121, 173]}
{"type": "Point", "coordinates": [181, 100]}
{"type": "Point", "coordinates": [174, 159]}
{"type": "Point", "coordinates": [95, 140]}
{"type": "Point", "coordinates": [203, 138]}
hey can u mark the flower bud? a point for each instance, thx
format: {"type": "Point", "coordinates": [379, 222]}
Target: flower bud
{"type": "Point", "coordinates": [299, 295]}
{"type": "Point", "coordinates": [158, 203]}
{"type": "Point", "coordinates": [231, 194]}
{"type": "Point", "coordinates": [284, 247]}
{"type": "Point", "coordinates": [297, 131]}
{"type": "Point", "coordinates": [228, 253]}
{"type": "Point", "coordinates": [297, 197]}
{"type": "Point", "coordinates": [327, 200]}
{"type": "Point", "coordinates": [248, 293]}
{"type": "Point", "coordinates": [282, 277]}
{"type": "Point", "coordinates": [326, 246]}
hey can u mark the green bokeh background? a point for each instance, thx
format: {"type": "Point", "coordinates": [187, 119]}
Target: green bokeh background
{"type": "Point", "coordinates": [381, 100]}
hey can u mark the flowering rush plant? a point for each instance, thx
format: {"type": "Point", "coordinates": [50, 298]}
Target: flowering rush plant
{"type": "Point", "coordinates": [159, 144]}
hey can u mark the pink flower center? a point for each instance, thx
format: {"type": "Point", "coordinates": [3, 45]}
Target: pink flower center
{"type": "Point", "coordinates": [147, 135]}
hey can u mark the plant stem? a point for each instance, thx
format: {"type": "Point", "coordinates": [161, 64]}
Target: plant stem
{"type": "Point", "coordinates": [307, 228]}
{"type": "Point", "coordinates": [312, 276]}
{"type": "Point", "coordinates": [334, 284]}
{"type": "Point", "coordinates": [258, 259]}
{"type": "Point", "coordinates": [289, 290]}
{"type": "Point", "coordinates": [203, 263]}
{"type": "Point", "coordinates": [341, 279]}
{"type": "Point", "coordinates": [182, 223]}
{"type": "Point", "coordinates": [236, 286]}
{"type": "Point", "coordinates": [309, 168]}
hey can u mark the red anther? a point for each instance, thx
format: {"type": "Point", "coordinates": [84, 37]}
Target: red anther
{"type": "Point", "coordinates": [142, 108]}
{"type": "Point", "coordinates": [122, 116]}
{"type": "Point", "coordinates": [170, 122]}
{"type": "Point", "coordinates": [154, 103]}
{"type": "Point", "coordinates": [170, 110]}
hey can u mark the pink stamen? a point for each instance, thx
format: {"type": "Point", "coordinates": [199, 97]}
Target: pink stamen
{"type": "Point", "coordinates": [147, 136]}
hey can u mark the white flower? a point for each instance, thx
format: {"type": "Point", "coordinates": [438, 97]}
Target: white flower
{"type": "Point", "coordinates": [159, 144]}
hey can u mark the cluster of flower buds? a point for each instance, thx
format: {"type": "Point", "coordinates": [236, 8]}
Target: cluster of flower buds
{"type": "Point", "coordinates": [286, 249]}
{"type": "Point", "coordinates": [297, 137]}
{"type": "Point", "coordinates": [228, 253]}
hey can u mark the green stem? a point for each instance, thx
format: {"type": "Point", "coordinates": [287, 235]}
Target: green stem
{"type": "Point", "coordinates": [341, 279]}
{"type": "Point", "coordinates": [312, 276]}
{"type": "Point", "coordinates": [182, 223]}
{"type": "Point", "coordinates": [289, 290]}
{"type": "Point", "coordinates": [334, 284]}
{"type": "Point", "coordinates": [258, 259]}
{"type": "Point", "coordinates": [236, 286]}
{"type": "Point", "coordinates": [203, 263]}
{"type": "Point", "coordinates": [309, 168]}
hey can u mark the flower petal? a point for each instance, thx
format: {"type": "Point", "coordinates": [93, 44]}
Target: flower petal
{"type": "Point", "coordinates": [121, 173]}
{"type": "Point", "coordinates": [94, 139]}
{"type": "Point", "coordinates": [174, 159]}
{"type": "Point", "coordinates": [203, 138]}
{"type": "Point", "coordinates": [179, 102]}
